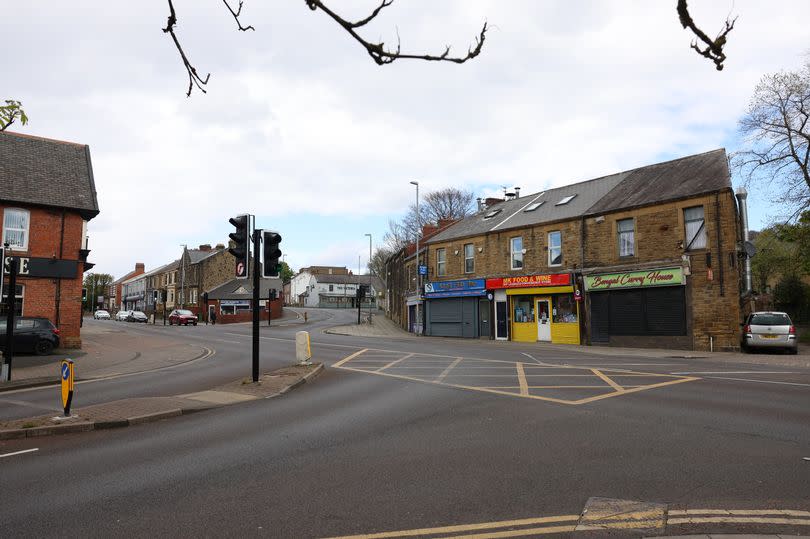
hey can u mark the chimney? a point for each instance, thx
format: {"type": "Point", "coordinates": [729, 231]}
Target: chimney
{"type": "Point", "coordinates": [517, 192]}
{"type": "Point", "coordinates": [480, 204]}
{"type": "Point", "coordinates": [443, 223]}
{"type": "Point", "coordinates": [219, 246]}
{"type": "Point", "coordinates": [490, 201]}
{"type": "Point", "coordinates": [429, 230]}
{"type": "Point", "coordinates": [139, 266]}
{"type": "Point", "coordinates": [205, 247]}
{"type": "Point", "coordinates": [742, 195]}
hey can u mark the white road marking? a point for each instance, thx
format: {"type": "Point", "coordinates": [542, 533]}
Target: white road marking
{"type": "Point", "coordinates": [736, 372]}
{"type": "Point", "coordinates": [19, 452]}
{"type": "Point", "coordinates": [760, 381]}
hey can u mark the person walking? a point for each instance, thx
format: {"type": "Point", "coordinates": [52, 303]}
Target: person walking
{"type": "Point", "coordinates": [213, 318]}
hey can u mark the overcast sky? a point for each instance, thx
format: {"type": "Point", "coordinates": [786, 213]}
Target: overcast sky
{"type": "Point", "coordinates": [301, 128]}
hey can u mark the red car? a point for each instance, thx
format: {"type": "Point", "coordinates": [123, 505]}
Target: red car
{"type": "Point", "coordinates": [182, 317]}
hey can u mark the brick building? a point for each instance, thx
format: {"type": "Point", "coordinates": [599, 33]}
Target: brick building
{"type": "Point", "coordinates": [116, 293]}
{"type": "Point", "coordinates": [47, 196]}
{"type": "Point", "coordinates": [646, 257]}
{"type": "Point", "coordinates": [232, 301]}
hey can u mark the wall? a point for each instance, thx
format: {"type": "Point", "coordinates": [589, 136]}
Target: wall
{"type": "Point", "coordinates": [59, 300]}
{"type": "Point", "coordinates": [276, 307]}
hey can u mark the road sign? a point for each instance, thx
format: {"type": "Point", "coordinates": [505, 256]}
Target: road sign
{"type": "Point", "coordinates": [240, 270]}
{"type": "Point", "coordinates": [67, 384]}
{"type": "Point", "coordinates": [422, 269]}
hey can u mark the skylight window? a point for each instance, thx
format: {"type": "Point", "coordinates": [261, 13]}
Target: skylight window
{"type": "Point", "coordinates": [491, 214]}
{"type": "Point", "coordinates": [566, 200]}
{"type": "Point", "coordinates": [533, 206]}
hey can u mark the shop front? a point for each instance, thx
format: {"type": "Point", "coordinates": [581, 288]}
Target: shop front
{"type": "Point", "coordinates": [536, 308]}
{"type": "Point", "coordinates": [457, 309]}
{"type": "Point", "coordinates": [639, 308]}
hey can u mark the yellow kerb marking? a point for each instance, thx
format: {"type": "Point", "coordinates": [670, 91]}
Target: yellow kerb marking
{"type": "Point", "coordinates": [391, 364]}
{"type": "Point", "coordinates": [787, 512]}
{"type": "Point", "coordinates": [471, 527]}
{"type": "Point", "coordinates": [349, 358]}
{"type": "Point", "coordinates": [610, 382]}
{"type": "Point", "coordinates": [448, 369]}
{"type": "Point", "coordinates": [517, 533]}
{"type": "Point", "coordinates": [524, 386]}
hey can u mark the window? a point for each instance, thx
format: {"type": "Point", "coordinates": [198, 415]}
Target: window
{"type": "Point", "coordinates": [555, 248]}
{"type": "Point", "coordinates": [564, 309]}
{"type": "Point", "coordinates": [524, 309]}
{"type": "Point", "coordinates": [441, 262]}
{"type": "Point", "coordinates": [491, 214]}
{"type": "Point", "coordinates": [331, 288]}
{"type": "Point", "coordinates": [695, 228]}
{"type": "Point", "coordinates": [626, 231]}
{"type": "Point", "coordinates": [566, 200]}
{"type": "Point", "coordinates": [517, 253]}
{"type": "Point", "coordinates": [18, 305]}
{"type": "Point", "coordinates": [533, 206]}
{"type": "Point", "coordinates": [15, 228]}
{"type": "Point", "coordinates": [469, 258]}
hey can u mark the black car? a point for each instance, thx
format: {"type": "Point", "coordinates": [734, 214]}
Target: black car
{"type": "Point", "coordinates": [37, 335]}
{"type": "Point", "coordinates": [137, 316]}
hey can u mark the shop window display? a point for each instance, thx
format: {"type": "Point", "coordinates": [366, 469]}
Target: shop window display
{"type": "Point", "coordinates": [564, 309]}
{"type": "Point", "coordinates": [524, 310]}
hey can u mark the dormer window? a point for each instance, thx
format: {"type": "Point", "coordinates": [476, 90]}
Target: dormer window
{"type": "Point", "coordinates": [533, 206]}
{"type": "Point", "coordinates": [566, 200]}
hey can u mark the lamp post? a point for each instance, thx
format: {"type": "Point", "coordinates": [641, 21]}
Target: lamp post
{"type": "Point", "coordinates": [418, 277]}
{"type": "Point", "coordinates": [369, 273]}
{"type": "Point", "coordinates": [183, 277]}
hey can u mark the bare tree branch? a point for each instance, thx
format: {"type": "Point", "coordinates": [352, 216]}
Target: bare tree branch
{"type": "Point", "coordinates": [378, 51]}
{"type": "Point", "coordinates": [714, 48]}
{"type": "Point", "coordinates": [236, 15]}
{"type": "Point", "coordinates": [193, 77]}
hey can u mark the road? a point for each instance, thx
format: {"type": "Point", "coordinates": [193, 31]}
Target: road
{"type": "Point", "coordinates": [414, 433]}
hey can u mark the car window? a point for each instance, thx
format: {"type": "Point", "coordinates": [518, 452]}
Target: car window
{"type": "Point", "coordinates": [770, 319]}
{"type": "Point", "coordinates": [24, 324]}
{"type": "Point", "coordinates": [186, 313]}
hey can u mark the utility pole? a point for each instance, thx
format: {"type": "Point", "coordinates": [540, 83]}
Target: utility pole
{"type": "Point", "coordinates": [418, 276]}
{"type": "Point", "coordinates": [8, 353]}
{"type": "Point", "coordinates": [256, 251]}
{"type": "Point", "coordinates": [370, 273]}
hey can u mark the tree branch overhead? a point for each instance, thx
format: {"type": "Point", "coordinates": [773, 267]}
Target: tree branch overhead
{"type": "Point", "coordinates": [714, 47]}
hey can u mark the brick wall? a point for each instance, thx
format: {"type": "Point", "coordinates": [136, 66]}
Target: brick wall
{"type": "Point", "coordinates": [276, 307]}
{"type": "Point", "coordinates": [59, 300]}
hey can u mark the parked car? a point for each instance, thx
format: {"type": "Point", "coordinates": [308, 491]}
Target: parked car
{"type": "Point", "coordinates": [101, 315]}
{"type": "Point", "coordinates": [31, 334]}
{"type": "Point", "coordinates": [137, 316]}
{"type": "Point", "coordinates": [121, 316]}
{"type": "Point", "coordinates": [182, 316]}
{"type": "Point", "coordinates": [769, 330]}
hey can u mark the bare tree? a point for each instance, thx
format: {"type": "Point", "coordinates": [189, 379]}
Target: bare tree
{"type": "Point", "coordinates": [10, 112]}
{"type": "Point", "coordinates": [447, 203]}
{"type": "Point", "coordinates": [377, 264]}
{"type": "Point", "coordinates": [777, 135]}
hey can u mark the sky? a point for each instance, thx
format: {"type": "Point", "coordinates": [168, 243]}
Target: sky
{"type": "Point", "coordinates": [302, 129]}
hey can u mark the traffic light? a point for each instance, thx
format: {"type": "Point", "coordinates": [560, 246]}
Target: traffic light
{"type": "Point", "coordinates": [271, 254]}
{"type": "Point", "coordinates": [361, 291]}
{"type": "Point", "coordinates": [155, 297]}
{"type": "Point", "coordinates": [84, 295]}
{"type": "Point", "coordinates": [241, 248]}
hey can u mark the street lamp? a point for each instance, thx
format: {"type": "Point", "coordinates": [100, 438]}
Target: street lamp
{"type": "Point", "coordinates": [183, 277]}
{"type": "Point", "coordinates": [369, 273]}
{"type": "Point", "coordinates": [418, 226]}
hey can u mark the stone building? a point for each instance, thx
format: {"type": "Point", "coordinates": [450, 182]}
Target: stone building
{"type": "Point", "coordinates": [47, 196]}
{"type": "Point", "coordinates": [115, 292]}
{"type": "Point", "coordinates": [647, 257]}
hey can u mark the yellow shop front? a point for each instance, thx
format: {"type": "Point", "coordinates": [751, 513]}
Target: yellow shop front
{"type": "Point", "coordinates": [545, 313]}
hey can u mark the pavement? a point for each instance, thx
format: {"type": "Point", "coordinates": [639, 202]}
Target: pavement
{"type": "Point", "coordinates": [126, 412]}
{"type": "Point", "coordinates": [383, 327]}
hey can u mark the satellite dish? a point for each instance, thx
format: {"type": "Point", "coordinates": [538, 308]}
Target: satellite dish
{"type": "Point", "coordinates": [750, 249]}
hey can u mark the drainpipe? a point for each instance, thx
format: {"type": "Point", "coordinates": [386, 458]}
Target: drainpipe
{"type": "Point", "coordinates": [719, 242]}
{"type": "Point", "coordinates": [742, 195]}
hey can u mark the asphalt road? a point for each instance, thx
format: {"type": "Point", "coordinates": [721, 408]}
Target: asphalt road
{"type": "Point", "coordinates": [414, 433]}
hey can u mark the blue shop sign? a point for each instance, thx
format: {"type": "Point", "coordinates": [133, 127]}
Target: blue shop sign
{"type": "Point", "coordinates": [450, 289]}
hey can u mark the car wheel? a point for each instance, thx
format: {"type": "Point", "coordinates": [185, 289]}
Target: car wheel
{"type": "Point", "coordinates": [195, 323]}
{"type": "Point", "coordinates": [793, 351]}
{"type": "Point", "coordinates": [43, 347]}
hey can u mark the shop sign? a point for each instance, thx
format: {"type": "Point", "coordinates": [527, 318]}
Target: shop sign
{"type": "Point", "coordinates": [529, 281]}
{"type": "Point", "coordinates": [466, 287]}
{"type": "Point", "coordinates": [241, 302]}
{"type": "Point", "coordinates": [635, 279]}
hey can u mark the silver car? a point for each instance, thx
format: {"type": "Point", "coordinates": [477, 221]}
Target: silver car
{"type": "Point", "coordinates": [769, 330]}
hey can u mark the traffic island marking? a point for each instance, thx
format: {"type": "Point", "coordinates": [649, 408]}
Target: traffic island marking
{"type": "Point", "coordinates": [563, 384]}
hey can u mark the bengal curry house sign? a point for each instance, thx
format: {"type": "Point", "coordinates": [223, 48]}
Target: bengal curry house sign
{"type": "Point", "coordinates": [635, 279]}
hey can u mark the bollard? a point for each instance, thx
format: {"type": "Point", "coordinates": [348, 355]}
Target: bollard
{"type": "Point", "coordinates": [305, 316]}
{"type": "Point", "coordinates": [303, 353]}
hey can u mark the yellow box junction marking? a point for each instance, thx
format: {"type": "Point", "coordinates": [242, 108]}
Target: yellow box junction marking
{"type": "Point", "coordinates": [417, 367]}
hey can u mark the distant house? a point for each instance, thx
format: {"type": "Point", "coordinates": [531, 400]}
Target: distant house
{"type": "Point", "coordinates": [335, 289]}
{"type": "Point", "coordinates": [232, 301]}
{"type": "Point", "coordinates": [47, 196]}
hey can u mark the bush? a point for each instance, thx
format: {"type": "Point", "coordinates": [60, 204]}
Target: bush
{"type": "Point", "coordinates": [792, 295]}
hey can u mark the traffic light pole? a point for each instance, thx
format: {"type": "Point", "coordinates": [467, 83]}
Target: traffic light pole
{"type": "Point", "coordinates": [256, 238]}
{"type": "Point", "coordinates": [8, 353]}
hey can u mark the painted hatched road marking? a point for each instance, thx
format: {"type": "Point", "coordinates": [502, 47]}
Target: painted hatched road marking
{"type": "Point", "coordinates": [452, 371]}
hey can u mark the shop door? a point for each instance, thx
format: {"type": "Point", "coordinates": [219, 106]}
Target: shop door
{"type": "Point", "coordinates": [501, 321]}
{"type": "Point", "coordinates": [412, 318]}
{"type": "Point", "coordinates": [484, 325]}
{"type": "Point", "coordinates": [468, 318]}
{"type": "Point", "coordinates": [543, 320]}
